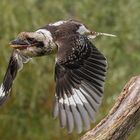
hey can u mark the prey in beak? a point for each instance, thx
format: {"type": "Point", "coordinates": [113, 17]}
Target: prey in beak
{"type": "Point", "coordinates": [93, 34]}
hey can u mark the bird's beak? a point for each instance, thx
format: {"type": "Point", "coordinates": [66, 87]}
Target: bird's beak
{"type": "Point", "coordinates": [19, 44]}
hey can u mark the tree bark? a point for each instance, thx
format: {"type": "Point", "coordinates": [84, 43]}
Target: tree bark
{"type": "Point", "coordinates": [122, 118]}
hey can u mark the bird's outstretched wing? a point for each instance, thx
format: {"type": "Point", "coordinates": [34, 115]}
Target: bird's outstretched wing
{"type": "Point", "coordinates": [15, 64]}
{"type": "Point", "coordinates": [80, 72]}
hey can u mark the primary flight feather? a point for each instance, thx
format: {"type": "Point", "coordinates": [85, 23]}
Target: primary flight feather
{"type": "Point", "coordinates": [80, 69]}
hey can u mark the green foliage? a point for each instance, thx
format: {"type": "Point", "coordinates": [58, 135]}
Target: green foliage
{"type": "Point", "coordinates": [27, 114]}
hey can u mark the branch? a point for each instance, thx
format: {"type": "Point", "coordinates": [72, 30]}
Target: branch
{"type": "Point", "coordinates": [122, 118]}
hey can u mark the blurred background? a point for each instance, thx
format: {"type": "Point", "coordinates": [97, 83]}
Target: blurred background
{"type": "Point", "coordinates": [27, 115]}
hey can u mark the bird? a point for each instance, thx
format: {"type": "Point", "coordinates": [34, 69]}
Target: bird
{"type": "Point", "coordinates": [79, 73]}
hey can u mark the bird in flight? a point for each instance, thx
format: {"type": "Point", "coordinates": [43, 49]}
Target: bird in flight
{"type": "Point", "coordinates": [80, 69]}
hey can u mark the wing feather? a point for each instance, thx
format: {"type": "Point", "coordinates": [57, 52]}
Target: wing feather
{"type": "Point", "coordinates": [80, 72]}
{"type": "Point", "coordinates": [15, 64]}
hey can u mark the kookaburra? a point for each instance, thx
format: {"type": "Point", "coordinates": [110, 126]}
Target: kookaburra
{"type": "Point", "coordinates": [80, 69]}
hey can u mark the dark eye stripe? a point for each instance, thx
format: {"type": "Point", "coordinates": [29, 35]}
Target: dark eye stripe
{"type": "Point", "coordinates": [40, 44]}
{"type": "Point", "coordinates": [31, 40]}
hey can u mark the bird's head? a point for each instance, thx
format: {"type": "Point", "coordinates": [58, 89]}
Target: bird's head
{"type": "Point", "coordinates": [33, 44]}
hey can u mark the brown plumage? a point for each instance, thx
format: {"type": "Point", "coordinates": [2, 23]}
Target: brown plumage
{"type": "Point", "coordinates": [80, 70]}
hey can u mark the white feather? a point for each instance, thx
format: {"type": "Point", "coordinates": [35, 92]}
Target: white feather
{"type": "Point", "coordinates": [46, 33]}
{"type": "Point", "coordinates": [85, 93]}
{"type": "Point", "coordinates": [61, 100]}
{"type": "Point", "coordinates": [2, 93]}
{"type": "Point", "coordinates": [82, 30]}
{"type": "Point", "coordinates": [58, 23]}
{"type": "Point", "coordinates": [66, 100]}
{"type": "Point", "coordinates": [71, 101]}
{"type": "Point", "coordinates": [81, 96]}
{"type": "Point", "coordinates": [76, 98]}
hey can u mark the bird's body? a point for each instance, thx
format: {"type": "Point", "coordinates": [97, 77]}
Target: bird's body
{"type": "Point", "coordinates": [80, 70]}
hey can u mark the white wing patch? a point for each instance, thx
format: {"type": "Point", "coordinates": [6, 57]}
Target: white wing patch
{"type": "Point", "coordinates": [2, 93]}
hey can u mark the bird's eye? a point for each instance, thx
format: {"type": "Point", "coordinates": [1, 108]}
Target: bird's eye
{"type": "Point", "coordinates": [31, 40]}
{"type": "Point", "coordinates": [34, 42]}
{"type": "Point", "coordinates": [40, 44]}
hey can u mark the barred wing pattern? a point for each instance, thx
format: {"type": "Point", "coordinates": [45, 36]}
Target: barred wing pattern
{"type": "Point", "coordinates": [80, 72]}
{"type": "Point", "coordinates": [15, 64]}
